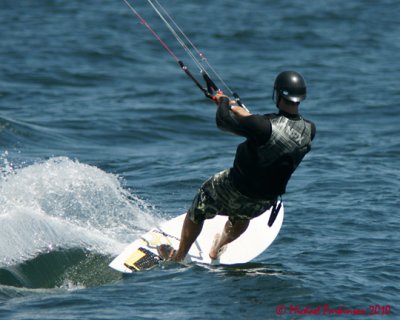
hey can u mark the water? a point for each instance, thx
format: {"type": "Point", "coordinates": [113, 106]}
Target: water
{"type": "Point", "coordinates": [102, 136]}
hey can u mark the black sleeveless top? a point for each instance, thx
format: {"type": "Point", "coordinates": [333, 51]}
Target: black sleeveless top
{"type": "Point", "coordinates": [275, 146]}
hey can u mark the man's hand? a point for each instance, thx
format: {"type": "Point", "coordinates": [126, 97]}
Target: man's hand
{"type": "Point", "coordinates": [237, 110]}
{"type": "Point", "coordinates": [218, 96]}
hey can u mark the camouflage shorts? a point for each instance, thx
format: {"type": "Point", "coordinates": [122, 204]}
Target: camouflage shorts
{"type": "Point", "coordinates": [218, 196]}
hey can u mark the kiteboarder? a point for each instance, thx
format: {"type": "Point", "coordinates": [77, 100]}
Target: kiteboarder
{"type": "Point", "coordinates": [275, 145]}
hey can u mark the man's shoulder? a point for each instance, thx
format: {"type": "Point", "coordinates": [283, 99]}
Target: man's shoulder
{"type": "Point", "coordinates": [310, 122]}
{"type": "Point", "coordinates": [313, 127]}
{"type": "Point", "coordinates": [269, 116]}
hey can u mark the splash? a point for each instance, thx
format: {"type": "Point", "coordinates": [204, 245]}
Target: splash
{"type": "Point", "coordinates": [6, 167]}
{"type": "Point", "coordinates": [61, 203]}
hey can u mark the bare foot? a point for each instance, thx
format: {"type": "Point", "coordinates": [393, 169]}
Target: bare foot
{"type": "Point", "coordinates": [166, 251]}
{"type": "Point", "coordinates": [216, 251]}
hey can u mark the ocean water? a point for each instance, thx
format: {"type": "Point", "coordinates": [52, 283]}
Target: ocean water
{"type": "Point", "coordinates": [102, 136]}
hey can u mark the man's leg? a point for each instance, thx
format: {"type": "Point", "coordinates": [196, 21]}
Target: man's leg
{"type": "Point", "coordinates": [190, 232]}
{"type": "Point", "coordinates": [231, 232]}
{"type": "Point", "coordinates": [205, 205]}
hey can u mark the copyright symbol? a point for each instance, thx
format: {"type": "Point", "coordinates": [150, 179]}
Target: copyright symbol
{"type": "Point", "coordinates": [280, 310]}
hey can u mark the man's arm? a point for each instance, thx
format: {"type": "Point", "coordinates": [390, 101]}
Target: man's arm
{"type": "Point", "coordinates": [237, 120]}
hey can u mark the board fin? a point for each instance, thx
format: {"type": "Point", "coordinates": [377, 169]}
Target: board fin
{"type": "Point", "coordinates": [142, 259]}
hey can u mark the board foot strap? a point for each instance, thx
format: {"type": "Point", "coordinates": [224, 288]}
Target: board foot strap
{"type": "Point", "coordinates": [274, 213]}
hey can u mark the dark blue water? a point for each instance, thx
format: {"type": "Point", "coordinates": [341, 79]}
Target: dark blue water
{"type": "Point", "coordinates": [102, 136]}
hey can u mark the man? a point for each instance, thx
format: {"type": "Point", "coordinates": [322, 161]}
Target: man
{"type": "Point", "coordinates": [274, 147]}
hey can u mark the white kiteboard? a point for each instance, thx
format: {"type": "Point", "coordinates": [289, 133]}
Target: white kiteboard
{"type": "Point", "coordinates": [142, 253]}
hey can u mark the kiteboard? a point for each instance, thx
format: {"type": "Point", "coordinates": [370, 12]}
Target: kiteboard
{"type": "Point", "coordinates": [142, 253]}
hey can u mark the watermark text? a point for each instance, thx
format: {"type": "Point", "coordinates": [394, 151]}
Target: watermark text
{"type": "Point", "coordinates": [327, 310]}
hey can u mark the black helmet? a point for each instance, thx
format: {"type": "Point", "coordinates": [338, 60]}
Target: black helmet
{"type": "Point", "coordinates": [289, 85]}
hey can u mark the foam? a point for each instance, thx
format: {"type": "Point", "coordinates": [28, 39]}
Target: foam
{"type": "Point", "coordinates": [64, 203]}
